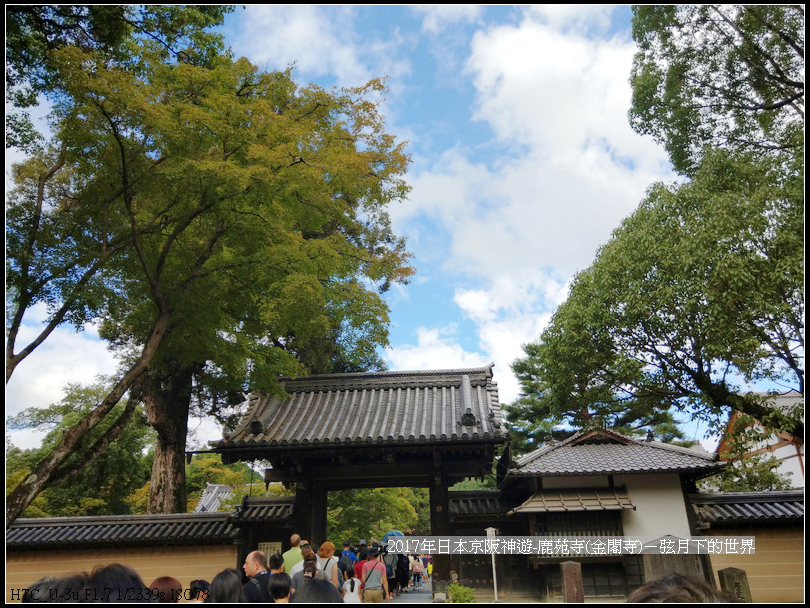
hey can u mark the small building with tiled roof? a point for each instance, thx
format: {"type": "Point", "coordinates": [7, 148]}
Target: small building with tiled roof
{"type": "Point", "coordinates": [643, 483]}
{"type": "Point", "coordinates": [601, 483]}
{"type": "Point", "coordinates": [776, 521]}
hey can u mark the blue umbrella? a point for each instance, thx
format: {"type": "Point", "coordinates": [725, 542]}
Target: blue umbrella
{"type": "Point", "coordinates": [390, 534]}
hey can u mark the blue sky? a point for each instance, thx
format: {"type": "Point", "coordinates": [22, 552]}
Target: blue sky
{"type": "Point", "coordinates": [523, 163]}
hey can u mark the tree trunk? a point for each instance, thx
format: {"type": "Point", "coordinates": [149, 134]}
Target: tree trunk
{"type": "Point", "coordinates": [28, 489]}
{"type": "Point", "coordinates": [167, 397]}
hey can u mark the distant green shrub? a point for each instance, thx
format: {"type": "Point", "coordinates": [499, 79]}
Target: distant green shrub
{"type": "Point", "coordinates": [458, 594]}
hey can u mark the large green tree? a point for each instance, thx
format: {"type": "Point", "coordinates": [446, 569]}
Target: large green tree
{"type": "Point", "coordinates": [702, 287]}
{"type": "Point", "coordinates": [729, 76]}
{"type": "Point", "coordinates": [698, 289]}
{"type": "Point", "coordinates": [249, 218]}
{"type": "Point", "coordinates": [34, 32]}
{"type": "Point", "coordinates": [574, 379]}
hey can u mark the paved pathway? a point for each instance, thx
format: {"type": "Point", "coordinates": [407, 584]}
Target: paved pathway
{"type": "Point", "coordinates": [412, 596]}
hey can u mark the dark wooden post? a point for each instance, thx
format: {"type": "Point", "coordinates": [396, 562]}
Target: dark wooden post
{"type": "Point", "coordinates": [735, 582]}
{"type": "Point", "coordinates": [573, 589]}
{"type": "Point", "coordinates": [319, 496]}
{"type": "Point", "coordinates": [302, 510]}
{"type": "Point", "coordinates": [440, 524]}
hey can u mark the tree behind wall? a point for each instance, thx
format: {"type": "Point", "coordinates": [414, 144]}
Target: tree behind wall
{"type": "Point", "coordinates": [253, 223]}
{"type": "Point", "coordinates": [104, 486]}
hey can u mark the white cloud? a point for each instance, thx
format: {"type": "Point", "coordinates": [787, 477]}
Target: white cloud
{"type": "Point", "coordinates": [438, 16]}
{"type": "Point", "coordinates": [519, 227]}
{"type": "Point", "coordinates": [65, 357]}
{"type": "Point", "coordinates": [435, 349]}
{"type": "Point", "coordinates": [321, 41]}
{"type": "Point", "coordinates": [572, 16]}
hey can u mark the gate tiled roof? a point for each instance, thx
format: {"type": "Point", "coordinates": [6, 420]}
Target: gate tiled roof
{"type": "Point", "coordinates": [605, 452]}
{"type": "Point", "coordinates": [746, 508]}
{"type": "Point", "coordinates": [383, 407]}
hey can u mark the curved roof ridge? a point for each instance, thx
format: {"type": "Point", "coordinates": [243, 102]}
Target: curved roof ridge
{"type": "Point", "coordinates": [487, 370]}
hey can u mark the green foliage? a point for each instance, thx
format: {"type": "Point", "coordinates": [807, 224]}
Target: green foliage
{"type": "Point", "coordinates": [103, 487]}
{"type": "Point", "coordinates": [469, 485]}
{"type": "Point", "coordinates": [757, 473]}
{"type": "Point", "coordinates": [719, 75]}
{"type": "Point", "coordinates": [227, 225]}
{"type": "Point", "coordinates": [370, 513]}
{"type": "Point", "coordinates": [35, 33]}
{"type": "Point", "coordinates": [256, 489]}
{"type": "Point", "coordinates": [459, 594]}
{"type": "Point", "coordinates": [208, 468]}
{"type": "Point", "coordinates": [575, 379]}
{"type": "Point", "coordinates": [703, 282]}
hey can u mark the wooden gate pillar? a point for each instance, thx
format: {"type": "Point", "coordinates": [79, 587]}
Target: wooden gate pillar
{"type": "Point", "coordinates": [309, 511]}
{"type": "Point", "coordinates": [440, 524]}
{"type": "Point", "coordinates": [302, 510]}
{"type": "Point", "coordinates": [318, 525]}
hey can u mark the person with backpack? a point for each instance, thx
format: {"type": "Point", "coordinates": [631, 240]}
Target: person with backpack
{"type": "Point", "coordinates": [417, 573]}
{"type": "Point", "coordinates": [390, 563]}
{"type": "Point", "coordinates": [375, 583]}
{"type": "Point", "coordinates": [347, 558]}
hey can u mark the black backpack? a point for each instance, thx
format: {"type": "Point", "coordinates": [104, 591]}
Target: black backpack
{"type": "Point", "coordinates": [344, 563]}
{"type": "Point", "coordinates": [389, 561]}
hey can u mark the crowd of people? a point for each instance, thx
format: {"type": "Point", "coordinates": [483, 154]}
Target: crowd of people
{"type": "Point", "coordinates": [307, 572]}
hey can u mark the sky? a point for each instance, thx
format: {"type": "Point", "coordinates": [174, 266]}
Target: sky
{"type": "Point", "coordinates": [523, 163]}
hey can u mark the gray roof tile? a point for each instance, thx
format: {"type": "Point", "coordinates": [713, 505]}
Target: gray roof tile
{"type": "Point", "coordinates": [741, 508]}
{"type": "Point", "coordinates": [583, 499]}
{"type": "Point", "coordinates": [383, 407]}
{"type": "Point", "coordinates": [605, 452]}
{"type": "Point", "coordinates": [175, 529]}
{"type": "Point", "coordinates": [476, 503]}
{"type": "Point", "coordinates": [146, 530]}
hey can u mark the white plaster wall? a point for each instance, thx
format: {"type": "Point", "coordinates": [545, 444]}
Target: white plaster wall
{"type": "Point", "coordinates": [575, 481]}
{"type": "Point", "coordinates": [791, 463]}
{"type": "Point", "coordinates": [659, 502]}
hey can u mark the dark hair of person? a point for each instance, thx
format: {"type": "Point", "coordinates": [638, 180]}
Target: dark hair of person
{"type": "Point", "coordinates": [310, 569]}
{"type": "Point", "coordinates": [275, 561]}
{"type": "Point", "coordinates": [363, 555]}
{"type": "Point", "coordinates": [40, 590]}
{"type": "Point", "coordinates": [68, 588]}
{"type": "Point", "coordinates": [116, 582]}
{"type": "Point", "coordinates": [166, 590]}
{"type": "Point", "coordinates": [317, 591]}
{"type": "Point", "coordinates": [197, 587]}
{"type": "Point", "coordinates": [350, 576]}
{"type": "Point", "coordinates": [279, 585]}
{"type": "Point", "coordinates": [678, 588]}
{"type": "Point", "coordinates": [226, 587]}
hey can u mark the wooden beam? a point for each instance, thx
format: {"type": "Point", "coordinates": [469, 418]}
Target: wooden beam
{"type": "Point", "coordinates": [335, 472]}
